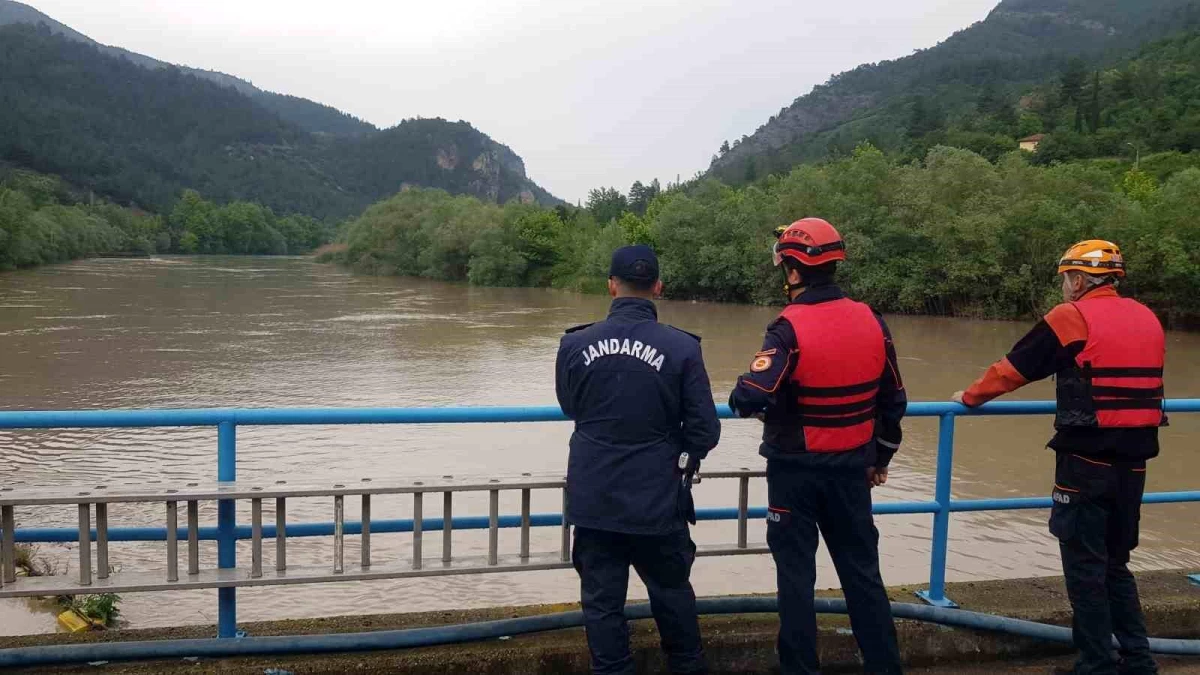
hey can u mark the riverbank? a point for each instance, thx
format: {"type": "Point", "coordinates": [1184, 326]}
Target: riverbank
{"type": "Point", "coordinates": [954, 235]}
{"type": "Point", "coordinates": [735, 644]}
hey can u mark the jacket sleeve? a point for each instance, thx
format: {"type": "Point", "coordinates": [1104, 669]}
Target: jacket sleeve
{"type": "Point", "coordinates": [758, 390]}
{"type": "Point", "coordinates": [891, 403]}
{"type": "Point", "coordinates": [562, 379]}
{"type": "Point", "coordinates": [1048, 348]}
{"type": "Point", "coordinates": [700, 426]}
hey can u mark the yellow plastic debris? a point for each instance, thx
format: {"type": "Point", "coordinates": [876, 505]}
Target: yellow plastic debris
{"type": "Point", "coordinates": [72, 621]}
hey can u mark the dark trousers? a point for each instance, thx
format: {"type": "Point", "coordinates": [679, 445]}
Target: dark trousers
{"type": "Point", "coordinates": [1095, 517]}
{"type": "Point", "coordinates": [838, 503]}
{"type": "Point", "coordinates": [664, 563]}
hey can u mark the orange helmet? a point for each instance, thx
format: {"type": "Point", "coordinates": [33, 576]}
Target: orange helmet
{"type": "Point", "coordinates": [1094, 256]}
{"type": "Point", "coordinates": [810, 242]}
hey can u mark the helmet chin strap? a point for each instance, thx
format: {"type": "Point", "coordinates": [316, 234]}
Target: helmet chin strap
{"type": "Point", "coordinates": [789, 287]}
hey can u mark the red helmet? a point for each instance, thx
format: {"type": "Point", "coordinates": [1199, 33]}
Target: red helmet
{"type": "Point", "coordinates": [810, 242]}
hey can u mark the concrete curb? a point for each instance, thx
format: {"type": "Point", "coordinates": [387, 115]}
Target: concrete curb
{"type": "Point", "coordinates": [735, 644]}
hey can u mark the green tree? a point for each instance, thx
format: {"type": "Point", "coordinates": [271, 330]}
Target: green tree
{"type": "Point", "coordinates": [1072, 80]}
{"type": "Point", "coordinates": [189, 243]}
{"type": "Point", "coordinates": [606, 204]}
{"type": "Point", "coordinates": [537, 235]}
{"type": "Point", "coordinates": [640, 196]}
{"type": "Point", "coordinates": [1094, 105]}
{"type": "Point", "coordinates": [992, 102]}
{"type": "Point", "coordinates": [636, 229]}
{"type": "Point", "coordinates": [192, 214]}
{"type": "Point", "coordinates": [1063, 146]}
{"type": "Point", "coordinates": [925, 117]}
{"type": "Point", "coordinates": [751, 173]}
{"type": "Point", "coordinates": [1139, 185]}
{"type": "Point", "coordinates": [1029, 124]}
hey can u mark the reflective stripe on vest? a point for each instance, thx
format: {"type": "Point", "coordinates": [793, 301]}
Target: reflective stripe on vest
{"type": "Point", "coordinates": [1117, 381]}
{"type": "Point", "coordinates": [836, 380]}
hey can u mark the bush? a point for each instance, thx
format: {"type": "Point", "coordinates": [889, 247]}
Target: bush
{"type": "Point", "coordinates": [954, 234]}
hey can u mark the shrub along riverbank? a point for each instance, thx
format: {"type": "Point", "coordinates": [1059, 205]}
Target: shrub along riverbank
{"type": "Point", "coordinates": [42, 221]}
{"type": "Point", "coordinates": [954, 234]}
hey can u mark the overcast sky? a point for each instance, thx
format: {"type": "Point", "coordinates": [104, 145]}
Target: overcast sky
{"type": "Point", "coordinates": [589, 92]}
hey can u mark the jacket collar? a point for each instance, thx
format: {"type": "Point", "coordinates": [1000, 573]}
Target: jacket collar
{"type": "Point", "coordinates": [817, 294]}
{"type": "Point", "coordinates": [636, 309]}
{"type": "Point", "coordinates": [1105, 291]}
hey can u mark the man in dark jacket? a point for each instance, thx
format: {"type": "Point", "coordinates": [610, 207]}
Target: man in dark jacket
{"type": "Point", "coordinates": [644, 418]}
{"type": "Point", "coordinates": [828, 390]}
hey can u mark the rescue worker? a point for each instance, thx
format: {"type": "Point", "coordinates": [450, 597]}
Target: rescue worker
{"type": "Point", "coordinates": [1107, 353]}
{"type": "Point", "coordinates": [644, 418]}
{"type": "Point", "coordinates": [828, 390]}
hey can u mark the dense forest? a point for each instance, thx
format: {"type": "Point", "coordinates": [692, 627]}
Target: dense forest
{"type": "Point", "coordinates": [140, 136]}
{"type": "Point", "coordinates": [308, 115]}
{"type": "Point", "coordinates": [983, 79]}
{"type": "Point", "coordinates": [44, 220]}
{"type": "Point", "coordinates": [1149, 104]}
{"type": "Point", "coordinates": [952, 234]}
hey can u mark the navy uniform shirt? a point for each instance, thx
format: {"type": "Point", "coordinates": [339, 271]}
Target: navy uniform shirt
{"type": "Point", "coordinates": [768, 393]}
{"type": "Point", "coordinates": [640, 396]}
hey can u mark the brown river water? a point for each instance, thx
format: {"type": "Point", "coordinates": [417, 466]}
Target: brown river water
{"type": "Point", "coordinates": [286, 332]}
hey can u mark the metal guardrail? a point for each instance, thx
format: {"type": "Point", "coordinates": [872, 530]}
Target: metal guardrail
{"type": "Point", "coordinates": [192, 494]}
{"type": "Point", "coordinates": [227, 577]}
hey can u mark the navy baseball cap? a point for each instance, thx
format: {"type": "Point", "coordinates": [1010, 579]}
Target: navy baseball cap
{"type": "Point", "coordinates": [634, 263]}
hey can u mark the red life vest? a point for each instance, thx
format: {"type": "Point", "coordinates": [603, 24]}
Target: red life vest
{"type": "Point", "coordinates": [1117, 381]}
{"type": "Point", "coordinates": [842, 356]}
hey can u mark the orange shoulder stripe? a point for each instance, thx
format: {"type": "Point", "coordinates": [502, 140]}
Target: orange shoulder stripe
{"type": "Point", "coordinates": [1068, 324]}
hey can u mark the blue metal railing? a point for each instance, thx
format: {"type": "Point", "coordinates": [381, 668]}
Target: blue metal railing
{"type": "Point", "coordinates": [227, 532]}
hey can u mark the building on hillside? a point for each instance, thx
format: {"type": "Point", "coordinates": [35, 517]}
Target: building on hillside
{"type": "Point", "coordinates": [1030, 143]}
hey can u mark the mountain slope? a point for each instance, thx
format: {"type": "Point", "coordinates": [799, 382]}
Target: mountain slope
{"type": "Point", "coordinates": [1020, 42]}
{"type": "Point", "coordinates": [306, 114]}
{"type": "Point", "coordinates": [142, 135]}
{"type": "Point", "coordinates": [433, 152]}
{"type": "Point", "coordinates": [1146, 108]}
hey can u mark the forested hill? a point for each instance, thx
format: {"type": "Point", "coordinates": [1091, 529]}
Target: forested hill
{"type": "Point", "coordinates": [1021, 43]}
{"type": "Point", "coordinates": [306, 114]}
{"type": "Point", "coordinates": [140, 136]}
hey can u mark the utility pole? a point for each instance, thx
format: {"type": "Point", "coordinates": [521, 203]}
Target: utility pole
{"type": "Point", "coordinates": [1137, 156]}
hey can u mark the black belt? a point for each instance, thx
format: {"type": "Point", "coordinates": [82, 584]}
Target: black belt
{"type": "Point", "coordinates": [1123, 372]}
{"type": "Point", "coordinates": [834, 392]}
{"type": "Point", "coordinates": [1127, 404]}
